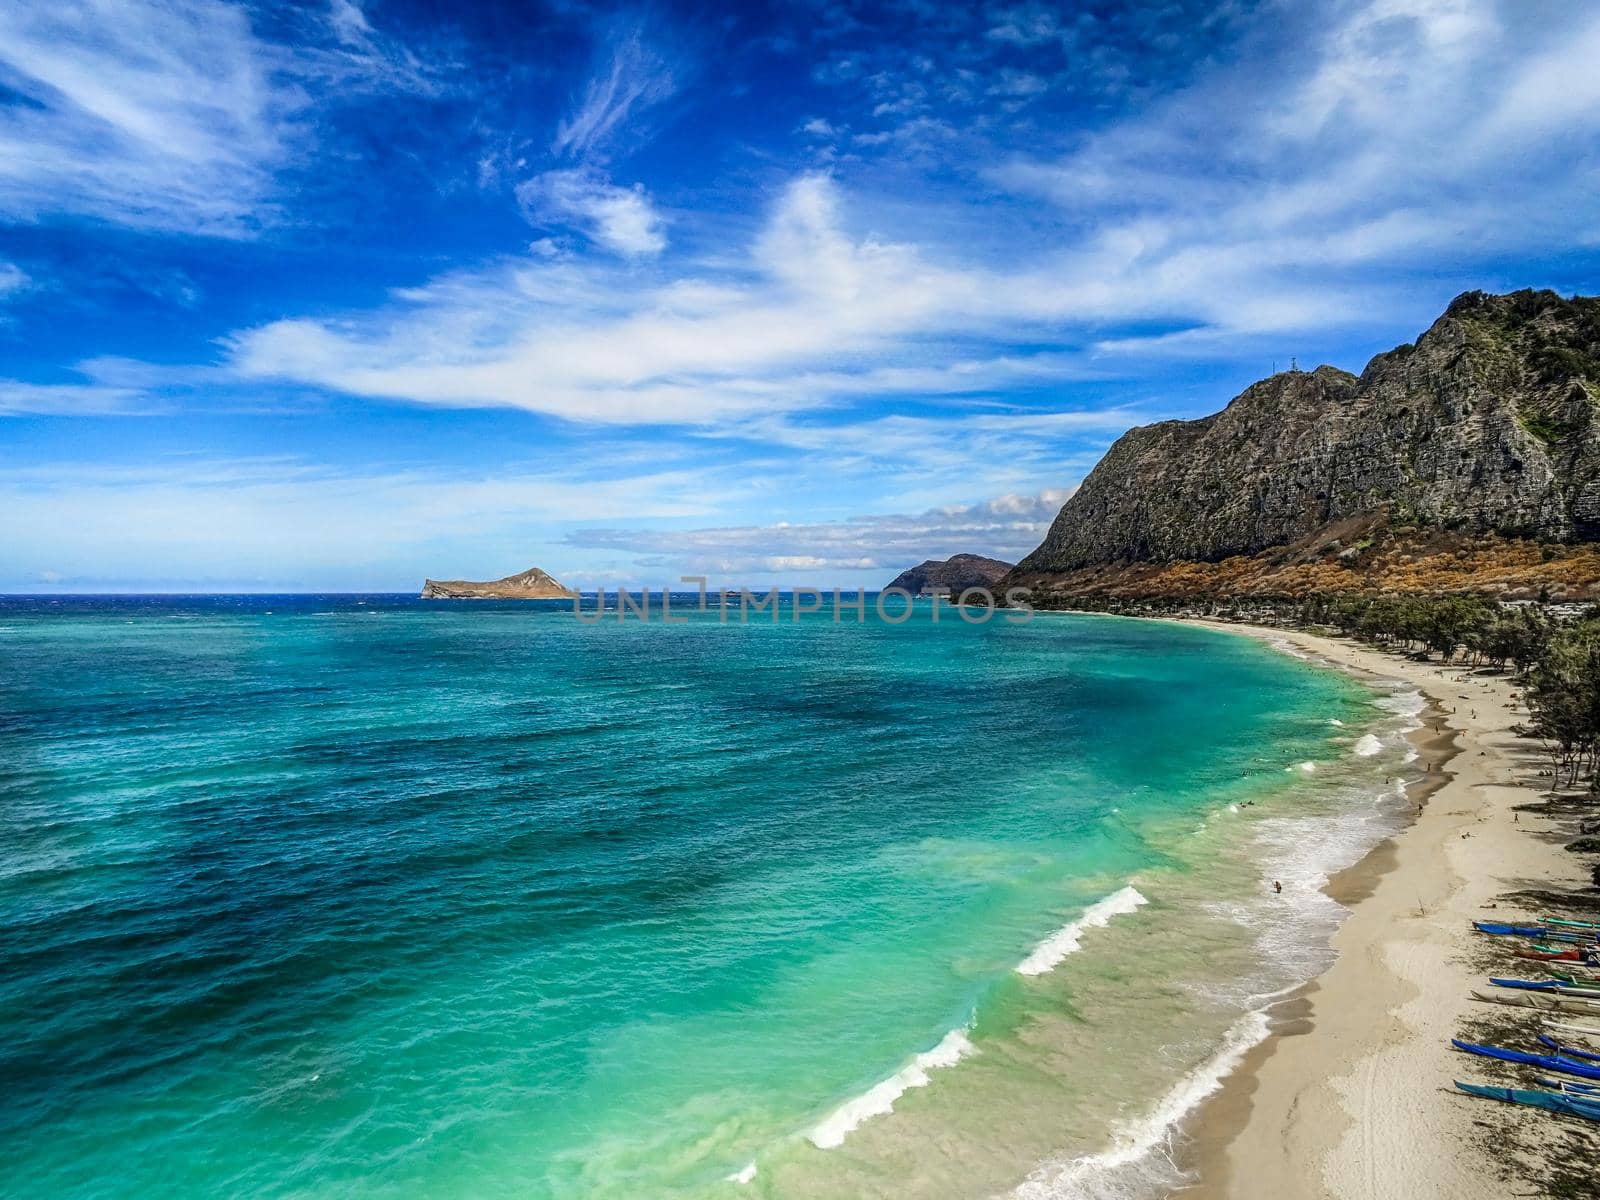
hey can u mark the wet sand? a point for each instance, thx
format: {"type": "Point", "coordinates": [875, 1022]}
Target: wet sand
{"type": "Point", "coordinates": [1350, 1097]}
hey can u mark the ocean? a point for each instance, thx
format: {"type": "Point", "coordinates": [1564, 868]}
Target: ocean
{"type": "Point", "coordinates": [363, 896]}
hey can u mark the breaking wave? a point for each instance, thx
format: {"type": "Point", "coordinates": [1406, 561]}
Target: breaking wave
{"type": "Point", "coordinates": [1068, 938]}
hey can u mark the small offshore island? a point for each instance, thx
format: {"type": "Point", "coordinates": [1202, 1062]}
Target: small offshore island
{"type": "Point", "coordinates": [532, 584]}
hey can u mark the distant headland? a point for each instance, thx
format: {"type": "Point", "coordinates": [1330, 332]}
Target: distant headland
{"type": "Point", "coordinates": [954, 574]}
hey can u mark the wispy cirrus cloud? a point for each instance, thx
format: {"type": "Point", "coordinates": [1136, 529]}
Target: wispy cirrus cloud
{"type": "Point", "coordinates": [1421, 135]}
{"type": "Point", "coordinates": [18, 398]}
{"type": "Point", "coordinates": [165, 116]}
{"type": "Point", "coordinates": [631, 78]}
{"type": "Point", "coordinates": [172, 116]}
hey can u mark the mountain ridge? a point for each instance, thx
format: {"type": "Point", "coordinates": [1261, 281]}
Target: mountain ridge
{"type": "Point", "coordinates": [1484, 428]}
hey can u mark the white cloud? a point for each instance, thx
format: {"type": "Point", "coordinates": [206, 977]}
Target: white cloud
{"type": "Point", "coordinates": [169, 116]}
{"type": "Point", "coordinates": [1005, 527]}
{"type": "Point", "coordinates": [1263, 199]}
{"type": "Point", "coordinates": [571, 340]}
{"type": "Point", "coordinates": [12, 278]}
{"type": "Point", "coordinates": [159, 115]}
{"type": "Point", "coordinates": [620, 219]}
{"type": "Point", "coordinates": [1253, 206]}
{"type": "Point", "coordinates": [634, 78]}
{"type": "Point", "coordinates": [1025, 25]}
{"type": "Point", "coordinates": [18, 398]}
{"type": "Point", "coordinates": [810, 315]}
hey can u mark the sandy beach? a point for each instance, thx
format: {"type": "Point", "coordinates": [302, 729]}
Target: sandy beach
{"type": "Point", "coordinates": [1351, 1097]}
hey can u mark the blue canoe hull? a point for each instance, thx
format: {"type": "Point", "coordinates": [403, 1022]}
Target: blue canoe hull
{"type": "Point", "coordinates": [1589, 991]}
{"type": "Point", "coordinates": [1498, 929]}
{"type": "Point", "coordinates": [1549, 1101]}
{"type": "Point", "coordinates": [1550, 1062]}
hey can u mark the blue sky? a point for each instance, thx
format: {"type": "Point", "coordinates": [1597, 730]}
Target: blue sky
{"type": "Point", "coordinates": [336, 296]}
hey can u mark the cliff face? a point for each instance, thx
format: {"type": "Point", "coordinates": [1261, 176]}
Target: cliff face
{"type": "Point", "coordinates": [532, 584]}
{"type": "Point", "coordinates": [954, 574]}
{"type": "Point", "coordinates": [1487, 425]}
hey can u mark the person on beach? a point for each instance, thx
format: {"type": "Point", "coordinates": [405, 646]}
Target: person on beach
{"type": "Point", "coordinates": [1277, 887]}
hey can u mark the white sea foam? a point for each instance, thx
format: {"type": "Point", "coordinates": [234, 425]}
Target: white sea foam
{"type": "Point", "coordinates": [879, 1099]}
{"type": "Point", "coordinates": [1368, 745]}
{"type": "Point", "coordinates": [1404, 702]}
{"type": "Point", "coordinates": [745, 1174]}
{"type": "Point", "coordinates": [1068, 938]}
{"type": "Point", "coordinates": [1336, 721]}
{"type": "Point", "coordinates": [1285, 646]}
{"type": "Point", "coordinates": [1139, 1160]}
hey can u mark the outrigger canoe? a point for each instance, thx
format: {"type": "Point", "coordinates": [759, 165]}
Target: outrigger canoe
{"type": "Point", "coordinates": [1552, 955]}
{"type": "Point", "coordinates": [1548, 933]}
{"type": "Point", "coordinates": [1502, 929]}
{"type": "Point", "coordinates": [1556, 1102]}
{"type": "Point", "coordinates": [1548, 1062]}
{"type": "Point", "coordinates": [1548, 1001]}
{"type": "Point", "coordinates": [1557, 986]}
{"type": "Point", "coordinates": [1569, 924]}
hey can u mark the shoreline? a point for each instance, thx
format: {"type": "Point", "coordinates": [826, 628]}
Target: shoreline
{"type": "Point", "coordinates": [1342, 1100]}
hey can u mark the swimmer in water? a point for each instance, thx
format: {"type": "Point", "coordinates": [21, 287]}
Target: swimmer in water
{"type": "Point", "coordinates": [1277, 887]}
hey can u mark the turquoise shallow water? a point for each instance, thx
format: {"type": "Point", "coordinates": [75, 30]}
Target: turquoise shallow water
{"type": "Point", "coordinates": [346, 896]}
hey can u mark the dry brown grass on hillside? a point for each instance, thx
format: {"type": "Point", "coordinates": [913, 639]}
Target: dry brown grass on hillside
{"type": "Point", "coordinates": [1410, 562]}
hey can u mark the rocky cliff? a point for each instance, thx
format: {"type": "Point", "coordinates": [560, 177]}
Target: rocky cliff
{"type": "Point", "coordinates": [1487, 425]}
{"type": "Point", "coordinates": [532, 584]}
{"type": "Point", "coordinates": [954, 574]}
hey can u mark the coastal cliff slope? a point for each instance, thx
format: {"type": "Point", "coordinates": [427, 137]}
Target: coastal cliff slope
{"type": "Point", "coordinates": [1481, 438]}
{"type": "Point", "coordinates": [532, 584]}
{"type": "Point", "coordinates": [954, 574]}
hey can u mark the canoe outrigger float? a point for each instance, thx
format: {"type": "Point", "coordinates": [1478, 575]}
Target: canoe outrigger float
{"type": "Point", "coordinates": [1539, 933]}
{"type": "Point", "coordinates": [1548, 1001]}
{"type": "Point", "coordinates": [1567, 1051]}
{"type": "Point", "coordinates": [1587, 1091]}
{"type": "Point", "coordinates": [1556, 1102]}
{"type": "Point", "coordinates": [1575, 1029]}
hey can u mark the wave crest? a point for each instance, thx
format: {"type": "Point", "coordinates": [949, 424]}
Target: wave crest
{"type": "Point", "coordinates": [879, 1099]}
{"type": "Point", "coordinates": [1068, 938]}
